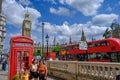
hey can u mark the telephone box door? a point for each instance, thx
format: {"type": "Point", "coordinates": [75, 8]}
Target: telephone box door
{"type": "Point", "coordinates": [23, 61]}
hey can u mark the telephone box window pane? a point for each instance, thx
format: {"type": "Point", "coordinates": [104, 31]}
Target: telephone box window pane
{"type": "Point", "coordinates": [18, 62]}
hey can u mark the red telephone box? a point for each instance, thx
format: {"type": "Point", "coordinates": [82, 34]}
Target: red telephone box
{"type": "Point", "coordinates": [21, 54]}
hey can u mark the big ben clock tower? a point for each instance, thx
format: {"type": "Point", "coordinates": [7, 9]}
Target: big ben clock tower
{"type": "Point", "coordinates": [26, 26]}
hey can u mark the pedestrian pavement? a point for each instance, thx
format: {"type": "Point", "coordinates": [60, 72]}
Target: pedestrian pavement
{"type": "Point", "coordinates": [4, 75]}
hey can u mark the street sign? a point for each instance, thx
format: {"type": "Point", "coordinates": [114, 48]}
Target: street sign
{"type": "Point", "coordinates": [83, 45]}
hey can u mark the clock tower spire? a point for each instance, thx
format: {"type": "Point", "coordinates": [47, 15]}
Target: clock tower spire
{"type": "Point", "coordinates": [27, 25]}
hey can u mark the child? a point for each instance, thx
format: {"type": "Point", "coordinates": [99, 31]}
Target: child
{"type": "Point", "coordinates": [25, 75]}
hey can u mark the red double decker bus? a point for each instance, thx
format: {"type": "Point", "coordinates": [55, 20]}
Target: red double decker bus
{"type": "Point", "coordinates": [105, 50]}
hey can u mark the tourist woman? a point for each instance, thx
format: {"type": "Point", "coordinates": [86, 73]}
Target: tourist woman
{"type": "Point", "coordinates": [42, 70]}
{"type": "Point", "coordinates": [33, 70]}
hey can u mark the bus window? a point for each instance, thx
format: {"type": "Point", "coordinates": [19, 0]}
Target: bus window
{"type": "Point", "coordinates": [118, 54]}
{"type": "Point", "coordinates": [100, 56]}
{"type": "Point", "coordinates": [92, 56]}
{"type": "Point", "coordinates": [114, 57]}
{"type": "Point", "coordinates": [107, 43]}
{"type": "Point", "coordinates": [82, 57]}
{"type": "Point", "coordinates": [90, 45]}
{"type": "Point", "coordinates": [76, 47]}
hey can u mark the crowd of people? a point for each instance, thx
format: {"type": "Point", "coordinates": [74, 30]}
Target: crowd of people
{"type": "Point", "coordinates": [36, 71]}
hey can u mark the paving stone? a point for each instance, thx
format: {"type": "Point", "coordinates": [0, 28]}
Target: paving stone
{"type": "Point", "coordinates": [4, 75]}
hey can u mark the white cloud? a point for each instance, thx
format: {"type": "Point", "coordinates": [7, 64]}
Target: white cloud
{"type": "Point", "coordinates": [62, 1]}
{"type": "Point", "coordinates": [95, 31]}
{"type": "Point", "coordinates": [119, 3]}
{"type": "Point", "coordinates": [64, 31]}
{"type": "Point", "coordinates": [14, 34]}
{"type": "Point", "coordinates": [34, 15]}
{"type": "Point", "coordinates": [15, 14]}
{"type": "Point", "coordinates": [62, 11]}
{"type": "Point", "coordinates": [35, 38]}
{"type": "Point", "coordinates": [25, 2]}
{"type": "Point", "coordinates": [103, 19]}
{"type": "Point", "coordinates": [52, 1]}
{"type": "Point", "coordinates": [86, 7]}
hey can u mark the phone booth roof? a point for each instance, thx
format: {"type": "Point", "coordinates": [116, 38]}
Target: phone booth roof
{"type": "Point", "coordinates": [21, 39]}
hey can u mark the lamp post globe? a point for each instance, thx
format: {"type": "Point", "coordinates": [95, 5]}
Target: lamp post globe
{"type": "Point", "coordinates": [47, 38]}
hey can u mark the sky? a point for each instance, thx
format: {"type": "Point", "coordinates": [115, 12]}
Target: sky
{"type": "Point", "coordinates": [62, 18]}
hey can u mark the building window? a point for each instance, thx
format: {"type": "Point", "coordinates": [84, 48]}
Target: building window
{"type": "Point", "coordinates": [0, 33]}
{"type": "Point", "coordinates": [0, 27]}
{"type": "Point", "coordinates": [0, 39]}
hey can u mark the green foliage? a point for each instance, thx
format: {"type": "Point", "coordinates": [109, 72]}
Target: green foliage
{"type": "Point", "coordinates": [16, 77]}
{"type": "Point", "coordinates": [56, 49]}
{"type": "Point", "coordinates": [37, 53]}
{"type": "Point", "coordinates": [41, 54]}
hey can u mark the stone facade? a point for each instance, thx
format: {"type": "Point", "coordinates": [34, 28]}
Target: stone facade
{"type": "Point", "coordinates": [73, 70]}
{"type": "Point", "coordinates": [115, 30]}
{"type": "Point", "coordinates": [2, 28]}
{"type": "Point", "coordinates": [38, 48]}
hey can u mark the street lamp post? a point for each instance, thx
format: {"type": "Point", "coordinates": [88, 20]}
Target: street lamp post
{"type": "Point", "coordinates": [43, 37]}
{"type": "Point", "coordinates": [47, 39]}
{"type": "Point", "coordinates": [38, 54]}
{"type": "Point", "coordinates": [87, 54]}
{"type": "Point", "coordinates": [66, 54]}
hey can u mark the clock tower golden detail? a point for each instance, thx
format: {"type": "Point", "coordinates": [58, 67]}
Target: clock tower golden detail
{"type": "Point", "coordinates": [26, 26]}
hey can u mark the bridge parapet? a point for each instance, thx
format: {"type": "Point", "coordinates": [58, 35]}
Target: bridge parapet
{"type": "Point", "coordinates": [73, 70]}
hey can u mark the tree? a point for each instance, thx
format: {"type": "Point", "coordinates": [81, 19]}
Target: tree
{"type": "Point", "coordinates": [56, 49]}
{"type": "Point", "coordinates": [37, 53]}
{"type": "Point", "coordinates": [108, 33]}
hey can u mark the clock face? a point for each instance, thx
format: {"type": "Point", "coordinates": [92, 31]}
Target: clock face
{"type": "Point", "coordinates": [27, 25]}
